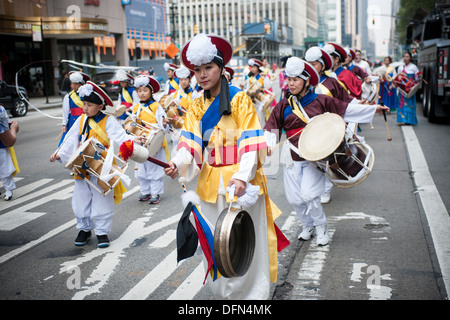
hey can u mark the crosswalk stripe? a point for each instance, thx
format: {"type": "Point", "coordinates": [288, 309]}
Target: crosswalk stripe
{"type": "Point", "coordinates": [154, 278]}
{"type": "Point", "coordinates": [190, 286]}
{"type": "Point", "coordinates": [20, 216]}
{"type": "Point", "coordinates": [34, 243]}
{"type": "Point", "coordinates": [39, 193]}
{"type": "Point", "coordinates": [21, 191]}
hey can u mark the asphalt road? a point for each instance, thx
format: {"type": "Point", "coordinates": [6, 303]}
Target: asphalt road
{"type": "Point", "coordinates": [381, 245]}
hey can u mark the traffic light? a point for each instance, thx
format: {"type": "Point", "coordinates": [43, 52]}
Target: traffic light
{"type": "Point", "coordinates": [195, 29]}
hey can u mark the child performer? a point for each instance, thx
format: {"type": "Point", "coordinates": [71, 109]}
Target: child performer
{"type": "Point", "coordinates": [128, 95]}
{"type": "Point", "coordinates": [9, 166]}
{"type": "Point", "coordinates": [89, 204]}
{"type": "Point", "coordinates": [183, 100]}
{"type": "Point", "coordinates": [304, 183]}
{"type": "Point", "coordinates": [72, 103]}
{"type": "Point", "coordinates": [223, 136]}
{"type": "Point", "coordinates": [149, 113]}
{"type": "Point", "coordinates": [172, 84]}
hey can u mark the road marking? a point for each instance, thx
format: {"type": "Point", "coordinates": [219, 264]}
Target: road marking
{"type": "Point", "coordinates": [20, 216]}
{"type": "Point", "coordinates": [154, 278]}
{"type": "Point", "coordinates": [114, 253]}
{"type": "Point", "coordinates": [163, 241]}
{"type": "Point", "coordinates": [17, 201]}
{"type": "Point", "coordinates": [36, 242]}
{"type": "Point", "coordinates": [435, 211]}
{"type": "Point", "coordinates": [190, 286]}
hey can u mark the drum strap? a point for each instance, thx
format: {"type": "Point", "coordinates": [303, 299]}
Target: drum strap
{"type": "Point", "coordinates": [298, 110]}
{"type": "Point", "coordinates": [76, 99]}
{"type": "Point", "coordinates": [98, 131]}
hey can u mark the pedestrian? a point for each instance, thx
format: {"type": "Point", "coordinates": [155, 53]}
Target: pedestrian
{"type": "Point", "coordinates": [406, 112]}
{"type": "Point", "coordinates": [64, 84]}
{"type": "Point", "coordinates": [303, 182]}
{"type": "Point", "coordinates": [149, 113]}
{"type": "Point", "coordinates": [72, 106]}
{"type": "Point", "coordinates": [93, 211]}
{"type": "Point", "coordinates": [225, 121]}
{"type": "Point", "coordinates": [9, 166]}
{"type": "Point", "coordinates": [388, 93]}
{"type": "Point", "coordinates": [128, 96]}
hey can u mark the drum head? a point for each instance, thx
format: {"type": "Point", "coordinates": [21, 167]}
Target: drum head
{"type": "Point", "coordinates": [234, 242]}
{"type": "Point", "coordinates": [155, 143]}
{"type": "Point", "coordinates": [321, 136]}
{"type": "Point", "coordinates": [73, 159]}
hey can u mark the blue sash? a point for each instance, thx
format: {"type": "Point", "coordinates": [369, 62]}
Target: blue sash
{"type": "Point", "coordinates": [338, 71]}
{"type": "Point", "coordinates": [323, 78]}
{"type": "Point", "coordinates": [212, 116]}
{"type": "Point", "coordinates": [307, 99]}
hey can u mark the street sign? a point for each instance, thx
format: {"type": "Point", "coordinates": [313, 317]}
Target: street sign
{"type": "Point", "coordinates": [172, 50]}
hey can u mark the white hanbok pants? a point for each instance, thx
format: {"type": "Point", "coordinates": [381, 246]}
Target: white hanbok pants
{"type": "Point", "coordinates": [89, 204]}
{"type": "Point", "coordinates": [304, 184]}
{"type": "Point", "coordinates": [150, 175]}
{"type": "Point", "coordinates": [6, 170]}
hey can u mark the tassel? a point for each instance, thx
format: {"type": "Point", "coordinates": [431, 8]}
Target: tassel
{"type": "Point", "coordinates": [126, 150]}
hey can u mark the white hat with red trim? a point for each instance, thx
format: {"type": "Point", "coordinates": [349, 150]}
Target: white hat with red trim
{"type": "Point", "coordinates": [91, 92]}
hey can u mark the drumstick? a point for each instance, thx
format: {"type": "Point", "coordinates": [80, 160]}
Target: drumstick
{"type": "Point", "coordinates": [279, 144]}
{"type": "Point", "coordinates": [59, 136]}
{"type": "Point", "coordinates": [387, 127]}
{"type": "Point", "coordinates": [158, 162]}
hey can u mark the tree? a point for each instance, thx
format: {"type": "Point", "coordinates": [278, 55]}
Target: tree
{"type": "Point", "coordinates": [408, 9]}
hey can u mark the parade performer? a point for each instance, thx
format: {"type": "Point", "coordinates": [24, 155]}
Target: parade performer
{"type": "Point", "coordinates": [128, 96]}
{"type": "Point", "coordinates": [149, 113]}
{"type": "Point", "coordinates": [363, 64]}
{"type": "Point", "coordinates": [172, 84]}
{"type": "Point", "coordinates": [322, 62]}
{"type": "Point", "coordinates": [388, 93]}
{"type": "Point", "coordinates": [89, 204]}
{"type": "Point", "coordinates": [9, 166]}
{"type": "Point", "coordinates": [350, 65]}
{"type": "Point", "coordinates": [72, 103]}
{"type": "Point", "coordinates": [223, 140]}
{"type": "Point", "coordinates": [406, 112]}
{"type": "Point", "coordinates": [260, 83]}
{"type": "Point", "coordinates": [304, 183]}
{"type": "Point", "coordinates": [182, 99]}
{"type": "Point", "coordinates": [346, 77]}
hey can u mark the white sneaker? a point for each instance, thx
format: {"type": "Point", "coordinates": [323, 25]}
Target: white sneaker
{"type": "Point", "coordinates": [8, 195]}
{"type": "Point", "coordinates": [322, 235]}
{"type": "Point", "coordinates": [325, 198]}
{"type": "Point", "coordinates": [306, 233]}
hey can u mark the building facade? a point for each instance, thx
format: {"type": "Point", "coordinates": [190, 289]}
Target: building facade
{"type": "Point", "coordinates": [232, 19]}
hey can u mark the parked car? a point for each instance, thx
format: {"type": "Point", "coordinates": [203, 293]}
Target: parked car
{"type": "Point", "coordinates": [11, 99]}
{"type": "Point", "coordinates": [108, 81]}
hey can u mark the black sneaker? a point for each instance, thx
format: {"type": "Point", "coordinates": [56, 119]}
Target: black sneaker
{"type": "Point", "coordinates": [154, 199]}
{"type": "Point", "coordinates": [82, 238]}
{"type": "Point", "coordinates": [103, 241]}
{"type": "Point", "coordinates": [145, 197]}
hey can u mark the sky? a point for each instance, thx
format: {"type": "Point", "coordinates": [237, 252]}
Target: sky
{"type": "Point", "coordinates": [381, 11]}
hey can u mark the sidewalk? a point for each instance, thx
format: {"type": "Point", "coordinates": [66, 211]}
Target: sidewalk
{"type": "Point", "coordinates": [41, 102]}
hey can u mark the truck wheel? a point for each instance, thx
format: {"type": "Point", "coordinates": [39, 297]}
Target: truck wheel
{"type": "Point", "coordinates": [425, 98]}
{"type": "Point", "coordinates": [20, 108]}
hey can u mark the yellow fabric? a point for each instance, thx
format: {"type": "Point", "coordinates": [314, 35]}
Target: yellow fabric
{"type": "Point", "coordinates": [126, 96]}
{"type": "Point", "coordinates": [174, 84]}
{"type": "Point", "coordinates": [296, 109]}
{"type": "Point", "coordinates": [325, 90]}
{"type": "Point", "coordinates": [149, 116]}
{"type": "Point", "coordinates": [99, 130]}
{"type": "Point", "coordinates": [12, 152]}
{"type": "Point", "coordinates": [76, 99]}
{"type": "Point", "coordinates": [243, 118]}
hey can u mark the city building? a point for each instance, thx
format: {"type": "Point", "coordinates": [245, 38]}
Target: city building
{"type": "Point", "coordinates": [256, 28]}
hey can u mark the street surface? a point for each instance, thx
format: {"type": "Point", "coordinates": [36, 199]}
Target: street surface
{"type": "Point", "coordinates": [381, 247]}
